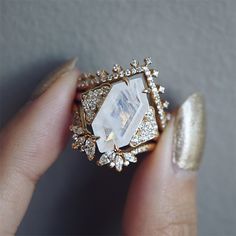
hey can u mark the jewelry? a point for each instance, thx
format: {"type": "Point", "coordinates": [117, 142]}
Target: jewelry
{"type": "Point", "coordinates": [118, 114]}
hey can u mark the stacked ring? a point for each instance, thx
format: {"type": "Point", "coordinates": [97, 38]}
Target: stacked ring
{"type": "Point", "coordinates": [118, 114]}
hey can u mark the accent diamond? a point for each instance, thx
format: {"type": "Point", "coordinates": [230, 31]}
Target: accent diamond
{"type": "Point", "coordinates": [134, 63]}
{"type": "Point", "coordinates": [89, 148]}
{"type": "Point", "coordinates": [119, 162]}
{"type": "Point", "coordinates": [104, 159]}
{"type": "Point", "coordinates": [161, 89]}
{"type": "Point", "coordinates": [93, 100]}
{"type": "Point", "coordinates": [130, 157]}
{"type": "Point", "coordinates": [155, 73]}
{"type": "Point", "coordinates": [165, 104]}
{"type": "Point", "coordinates": [148, 60]}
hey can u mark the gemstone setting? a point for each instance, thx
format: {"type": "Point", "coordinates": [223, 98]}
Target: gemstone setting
{"type": "Point", "coordinates": [120, 114]}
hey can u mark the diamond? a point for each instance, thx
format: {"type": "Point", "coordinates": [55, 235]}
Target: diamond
{"type": "Point", "coordinates": [76, 129]}
{"type": "Point", "coordinates": [120, 114]}
{"type": "Point", "coordinates": [115, 76]}
{"type": "Point", "coordinates": [122, 74]}
{"type": "Point", "coordinates": [97, 80]}
{"type": "Point", "coordinates": [117, 68]}
{"type": "Point", "coordinates": [133, 71]}
{"type": "Point", "coordinates": [119, 163]}
{"type": "Point", "coordinates": [139, 69]}
{"type": "Point", "coordinates": [161, 89]}
{"type": "Point", "coordinates": [148, 60]}
{"type": "Point", "coordinates": [126, 163]}
{"type": "Point", "coordinates": [155, 73]}
{"type": "Point", "coordinates": [147, 72]}
{"type": "Point", "coordinates": [103, 75]}
{"type": "Point", "coordinates": [104, 159]}
{"type": "Point", "coordinates": [147, 130]}
{"type": "Point", "coordinates": [165, 104]}
{"type": "Point", "coordinates": [127, 72]}
{"type": "Point", "coordinates": [89, 148]}
{"type": "Point", "coordinates": [112, 164]}
{"type": "Point", "coordinates": [130, 157]}
{"type": "Point", "coordinates": [147, 90]}
{"type": "Point", "coordinates": [110, 77]}
{"type": "Point", "coordinates": [75, 137]}
{"type": "Point", "coordinates": [134, 63]}
{"type": "Point", "coordinates": [145, 68]}
{"type": "Point", "coordinates": [81, 140]}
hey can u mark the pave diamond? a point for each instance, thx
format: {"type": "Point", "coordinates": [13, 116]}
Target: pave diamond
{"type": "Point", "coordinates": [130, 157]}
{"type": "Point", "coordinates": [90, 148]}
{"type": "Point", "coordinates": [147, 130]}
{"type": "Point", "coordinates": [92, 101]}
{"type": "Point", "coordinates": [120, 114]}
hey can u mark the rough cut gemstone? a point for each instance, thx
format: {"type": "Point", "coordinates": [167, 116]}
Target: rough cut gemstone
{"type": "Point", "coordinates": [120, 114]}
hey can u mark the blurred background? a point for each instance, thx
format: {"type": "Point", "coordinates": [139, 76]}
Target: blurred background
{"type": "Point", "coordinates": [193, 43]}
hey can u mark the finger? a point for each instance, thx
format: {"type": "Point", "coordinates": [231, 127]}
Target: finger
{"type": "Point", "coordinates": [31, 142]}
{"type": "Point", "coordinates": [162, 197]}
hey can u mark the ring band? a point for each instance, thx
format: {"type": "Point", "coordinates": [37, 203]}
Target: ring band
{"type": "Point", "coordinates": [118, 114]}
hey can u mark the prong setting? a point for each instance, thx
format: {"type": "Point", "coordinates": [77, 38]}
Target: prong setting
{"type": "Point", "coordinates": [94, 89]}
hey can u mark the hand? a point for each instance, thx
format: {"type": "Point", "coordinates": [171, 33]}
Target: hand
{"type": "Point", "coordinates": [162, 196]}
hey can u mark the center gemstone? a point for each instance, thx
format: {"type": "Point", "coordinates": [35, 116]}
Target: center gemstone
{"type": "Point", "coordinates": [120, 114]}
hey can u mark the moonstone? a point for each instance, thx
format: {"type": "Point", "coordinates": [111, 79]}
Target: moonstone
{"type": "Point", "coordinates": [120, 114]}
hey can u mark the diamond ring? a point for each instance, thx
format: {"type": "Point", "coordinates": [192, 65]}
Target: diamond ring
{"type": "Point", "coordinates": [118, 114]}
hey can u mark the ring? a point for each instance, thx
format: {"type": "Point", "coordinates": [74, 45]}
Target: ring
{"type": "Point", "coordinates": [119, 114]}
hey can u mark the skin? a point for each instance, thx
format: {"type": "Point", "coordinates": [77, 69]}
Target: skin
{"type": "Point", "coordinates": [161, 199]}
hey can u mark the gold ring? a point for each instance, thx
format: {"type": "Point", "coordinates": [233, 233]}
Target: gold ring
{"type": "Point", "coordinates": [118, 114]}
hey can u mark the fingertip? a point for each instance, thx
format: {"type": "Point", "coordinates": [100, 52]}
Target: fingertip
{"type": "Point", "coordinates": [46, 83]}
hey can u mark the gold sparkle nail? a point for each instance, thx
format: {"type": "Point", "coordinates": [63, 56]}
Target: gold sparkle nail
{"type": "Point", "coordinates": [189, 133]}
{"type": "Point", "coordinates": [51, 78]}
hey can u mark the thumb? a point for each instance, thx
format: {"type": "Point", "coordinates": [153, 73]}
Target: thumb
{"type": "Point", "coordinates": [31, 142]}
{"type": "Point", "coordinates": [162, 197]}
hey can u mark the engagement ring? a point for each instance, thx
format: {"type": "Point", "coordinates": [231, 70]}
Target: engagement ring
{"type": "Point", "coordinates": [118, 115]}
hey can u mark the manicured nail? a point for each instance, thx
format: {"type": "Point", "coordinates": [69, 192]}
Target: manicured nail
{"type": "Point", "coordinates": [189, 133]}
{"type": "Point", "coordinates": [51, 78]}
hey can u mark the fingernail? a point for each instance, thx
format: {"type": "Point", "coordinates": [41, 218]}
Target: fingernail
{"type": "Point", "coordinates": [51, 78]}
{"type": "Point", "coordinates": [189, 133]}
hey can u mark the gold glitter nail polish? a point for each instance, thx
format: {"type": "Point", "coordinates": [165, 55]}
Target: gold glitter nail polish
{"type": "Point", "coordinates": [51, 78]}
{"type": "Point", "coordinates": [189, 133]}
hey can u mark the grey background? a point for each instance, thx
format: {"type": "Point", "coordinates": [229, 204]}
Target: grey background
{"type": "Point", "coordinates": [193, 43]}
